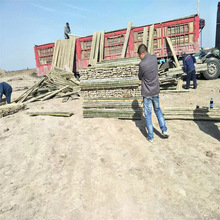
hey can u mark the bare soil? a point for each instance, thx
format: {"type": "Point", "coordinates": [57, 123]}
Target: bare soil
{"type": "Point", "coordinates": [75, 168]}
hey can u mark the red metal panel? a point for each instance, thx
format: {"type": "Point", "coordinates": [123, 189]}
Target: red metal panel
{"type": "Point", "coordinates": [178, 30]}
{"type": "Point", "coordinates": [83, 48]}
{"type": "Point", "coordinates": [43, 57]}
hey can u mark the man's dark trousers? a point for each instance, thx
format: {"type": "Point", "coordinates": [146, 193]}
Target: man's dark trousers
{"type": "Point", "coordinates": [191, 75]}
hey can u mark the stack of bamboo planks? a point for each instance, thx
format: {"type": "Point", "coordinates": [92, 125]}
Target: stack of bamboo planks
{"type": "Point", "coordinates": [124, 108]}
{"type": "Point", "coordinates": [189, 113]}
{"type": "Point", "coordinates": [57, 83]}
{"type": "Point", "coordinates": [97, 49]}
{"type": "Point", "coordinates": [64, 54]}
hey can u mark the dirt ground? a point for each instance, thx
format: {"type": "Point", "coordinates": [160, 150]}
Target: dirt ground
{"type": "Point", "coordinates": [93, 169]}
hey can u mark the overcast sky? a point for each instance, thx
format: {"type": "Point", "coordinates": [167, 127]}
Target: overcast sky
{"type": "Point", "coordinates": [25, 23]}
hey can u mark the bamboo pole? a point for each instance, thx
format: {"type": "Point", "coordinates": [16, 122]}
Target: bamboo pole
{"type": "Point", "coordinates": [59, 114]}
{"type": "Point", "coordinates": [53, 93]}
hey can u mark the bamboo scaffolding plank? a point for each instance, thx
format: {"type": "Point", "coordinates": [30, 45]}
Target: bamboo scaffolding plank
{"type": "Point", "coordinates": [145, 36]}
{"type": "Point", "coordinates": [53, 93]}
{"type": "Point", "coordinates": [102, 44]}
{"type": "Point", "coordinates": [31, 90]}
{"type": "Point", "coordinates": [134, 105]}
{"type": "Point", "coordinates": [193, 113]}
{"type": "Point", "coordinates": [183, 108]}
{"type": "Point", "coordinates": [60, 54]}
{"type": "Point", "coordinates": [115, 113]}
{"type": "Point", "coordinates": [37, 98]}
{"type": "Point", "coordinates": [112, 115]}
{"type": "Point", "coordinates": [68, 53]}
{"type": "Point", "coordinates": [179, 85]}
{"type": "Point", "coordinates": [118, 99]}
{"type": "Point", "coordinates": [55, 54]}
{"type": "Point", "coordinates": [125, 45]}
{"type": "Point", "coordinates": [59, 114]}
{"type": "Point", "coordinates": [71, 58]}
{"type": "Point", "coordinates": [174, 91]}
{"type": "Point", "coordinates": [173, 52]}
{"type": "Point", "coordinates": [95, 60]}
{"type": "Point", "coordinates": [70, 93]}
{"type": "Point", "coordinates": [65, 54]}
{"type": "Point", "coordinates": [150, 42]}
{"type": "Point", "coordinates": [198, 118]}
{"type": "Point", "coordinates": [93, 48]}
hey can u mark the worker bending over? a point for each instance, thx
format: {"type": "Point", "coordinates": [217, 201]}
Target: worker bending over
{"type": "Point", "coordinates": [5, 89]}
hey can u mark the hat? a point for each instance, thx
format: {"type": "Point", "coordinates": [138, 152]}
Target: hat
{"type": "Point", "coordinates": [183, 52]}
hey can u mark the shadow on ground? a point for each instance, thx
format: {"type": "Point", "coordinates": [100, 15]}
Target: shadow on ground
{"type": "Point", "coordinates": [207, 125]}
{"type": "Point", "coordinates": [139, 120]}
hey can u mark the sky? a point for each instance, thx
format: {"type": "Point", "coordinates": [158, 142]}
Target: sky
{"type": "Point", "coordinates": [26, 23]}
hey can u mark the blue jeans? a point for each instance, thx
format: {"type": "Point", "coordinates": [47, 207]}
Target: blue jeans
{"type": "Point", "coordinates": [147, 101]}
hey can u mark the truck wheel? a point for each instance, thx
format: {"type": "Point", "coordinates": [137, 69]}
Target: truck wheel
{"type": "Point", "coordinates": [213, 66]}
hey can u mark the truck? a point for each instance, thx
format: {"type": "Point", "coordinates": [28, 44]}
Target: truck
{"type": "Point", "coordinates": [183, 32]}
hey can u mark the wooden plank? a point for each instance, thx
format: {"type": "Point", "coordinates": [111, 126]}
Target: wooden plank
{"type": "Point", "coordinates": [72, 53]}
{"type": "Point", "coordinates": [56, 53]}
{"type": "Point", "coordinates": [28, 92]}
{"type": "Point", "coordinates": [59, 114]}
{"type": "Point", "coordinates": [150, 42]}
{"type": "Point", "coordinates": [113, 113]}
{"type": "Point", "coordinates": [197, 118]}
{"type": "Point", "coordinates": [102, 46]}
{"type": "Point", "coordinates": [65, 53]}
{"type": "Point", "coordinates": [173, 52]}
{"type": "Point", "coordinates": [179, 84]}
{"type": "Point", "coordinates": [133, 104]}
{"type": "Point", "coordinates": [145, 36]}
{"type": "Point", "coordinates": [125, 45]}
{"type": "Point", "coordinates": [174, 91]}
{"type": "Point", "coordinates": [62, 55]}
{"type": "Point", "coordinates": [95, 60]}
{"type": "Point", "coordinates": [118, 99]}
{"type": "Point", "coordinates": [53, 93]}
{"type": "Point", "coordinates": [109, 83]}
{"type": "Point", "coordinates": [92, 48]}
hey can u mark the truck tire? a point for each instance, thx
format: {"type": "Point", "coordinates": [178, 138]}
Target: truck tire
{"type": "Point", "coordinates": [213, 71]}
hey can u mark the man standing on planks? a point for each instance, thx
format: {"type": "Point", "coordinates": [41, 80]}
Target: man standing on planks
{"type": "Point", "coordinates": [189, 69]}
{"type": "Point", "coordinates": [67, 31]}
{"type": "Point", "coordinates": [150, 89]}
{"type": "Point", "coordinates": [5, 89]}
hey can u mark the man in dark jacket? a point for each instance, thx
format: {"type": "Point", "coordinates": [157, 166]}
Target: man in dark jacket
{"type": "Point", "coordinates": [189, 69]}
{"type": "Point", "coordinates": [5, 89]}
{"type": "Point", "coordinates": [67, 31]}
{"type": "Point", "coordinates": [150, 89]}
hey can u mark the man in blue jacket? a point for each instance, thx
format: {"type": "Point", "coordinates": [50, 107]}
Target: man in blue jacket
{"type": "Point", "coordinates": [150, 89]}
{"type": "Point", "coordinates": [5, 89]}
{"type": "Point", "coordinates": [189, 69]}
